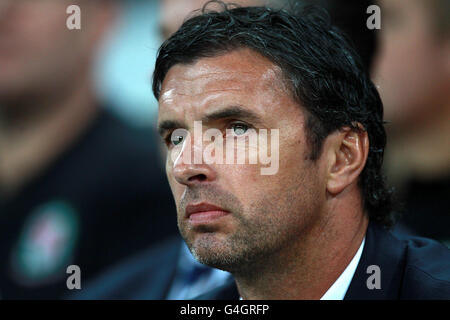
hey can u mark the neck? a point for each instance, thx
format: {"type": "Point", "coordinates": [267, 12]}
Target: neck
{"type": "Point", "coordinates": [28, 144]}
{"type": "Point", "coordinates": [308, 268]}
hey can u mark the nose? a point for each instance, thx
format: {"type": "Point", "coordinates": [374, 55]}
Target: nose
{"type": "Point", "coordinates": [193, 174]}
{"type": "Point", "coordinates": [190, 169]}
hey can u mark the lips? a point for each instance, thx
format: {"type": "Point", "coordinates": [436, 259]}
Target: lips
{"type": "Point", "coordinates": [204, 212]}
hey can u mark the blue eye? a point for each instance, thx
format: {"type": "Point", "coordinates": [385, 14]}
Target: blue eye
{"type": "Point", "coordinates": [176, 139]}
{"type": "Point", "coordinates": [239, 128]}
{"type": "Point", "coordinates": [178, 136]}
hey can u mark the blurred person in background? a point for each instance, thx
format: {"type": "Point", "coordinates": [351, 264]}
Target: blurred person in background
{"type": "Point", "coordinates": [351, 18]}
{"type": "Point", "coordinates": [412, 71]}
{"type": "Point", "coordinates": [77, 186]}
{"type": "Point", "coordinates": [174, 12]}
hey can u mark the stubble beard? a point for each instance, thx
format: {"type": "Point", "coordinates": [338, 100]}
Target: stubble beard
{"type": "Point", "coordinates": [258, 237]}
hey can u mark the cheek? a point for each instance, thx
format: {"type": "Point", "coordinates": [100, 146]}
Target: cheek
{"type": "Point", "coordinates": [243, 181]}
{"type": "Point", "coordinates": [253, 188]}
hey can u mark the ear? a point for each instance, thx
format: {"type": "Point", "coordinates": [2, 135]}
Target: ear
{"type": "Point", "coordinates": [348, 150]}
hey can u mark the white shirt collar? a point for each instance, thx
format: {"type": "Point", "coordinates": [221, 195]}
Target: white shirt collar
{"type": "Point", "coordinates": [339, 288]}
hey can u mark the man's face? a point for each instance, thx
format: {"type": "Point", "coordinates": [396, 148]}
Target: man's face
{"type": "Point", "coordinates": [38, 53]}
{"type": "Point", "coordinates": [35, 44]}
{"type": "Point", "coordinates": [411, 65]}
{"type": "Point", "coordinates": [258, 215]}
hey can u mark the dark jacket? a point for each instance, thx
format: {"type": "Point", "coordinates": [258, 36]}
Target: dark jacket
{"type": "Point", "coordinates": [412, 268]}
{"type": "Point", "coordinates": [147, 275]}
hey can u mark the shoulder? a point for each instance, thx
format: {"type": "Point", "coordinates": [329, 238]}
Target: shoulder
{"type": "Point", "coordinates": [123, 140]}
{"type": "Point", "coordinates": [427, 269]}
{"type": "Point", "coordinates": [109, 145]}
{"type": "Point", "coordinates": [408, 268]}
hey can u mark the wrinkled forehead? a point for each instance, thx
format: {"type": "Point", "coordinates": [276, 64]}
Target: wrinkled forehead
{"type": "Point", "coordinates": [239, 71]}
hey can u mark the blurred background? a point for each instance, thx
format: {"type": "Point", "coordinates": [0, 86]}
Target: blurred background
{"type": "Point", "coordinates": [82, 176]}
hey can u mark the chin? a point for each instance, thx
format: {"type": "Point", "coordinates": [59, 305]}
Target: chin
{"type": "Point", "coordinates": [213, 252]}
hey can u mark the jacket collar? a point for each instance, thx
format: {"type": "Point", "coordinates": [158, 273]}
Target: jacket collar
{"type": "Point", "coordinates": [385, 251]}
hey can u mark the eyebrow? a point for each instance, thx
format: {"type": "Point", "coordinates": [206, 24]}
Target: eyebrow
{"type": "Point", "coordinates": [166, 125]}
{"type": "Point", "coordinates": [232, 112]}
{"type": "Point", "coordinates": [228, 112]}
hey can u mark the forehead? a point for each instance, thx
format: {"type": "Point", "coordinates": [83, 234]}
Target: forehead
{"type": "Point", "coordinates": [239, 77]}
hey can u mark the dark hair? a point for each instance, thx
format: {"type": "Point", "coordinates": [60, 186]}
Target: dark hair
{"type": "Point", "coordinates": [322, 69]}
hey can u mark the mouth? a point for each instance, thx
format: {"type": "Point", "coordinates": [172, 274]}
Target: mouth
{"type": "Point", "coordinates": [203, 213]}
